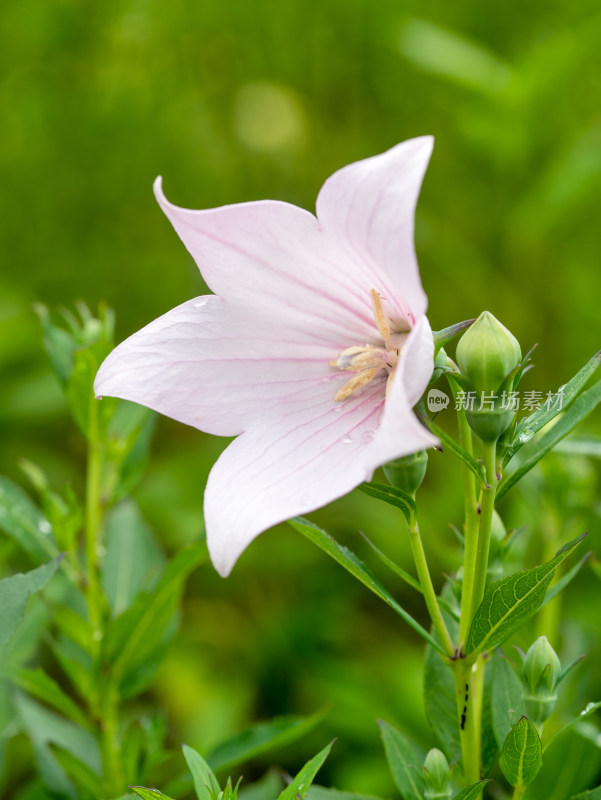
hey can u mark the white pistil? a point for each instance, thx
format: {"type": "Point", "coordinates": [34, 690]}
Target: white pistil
{"type": "Point", "coordinates": [367, 361]}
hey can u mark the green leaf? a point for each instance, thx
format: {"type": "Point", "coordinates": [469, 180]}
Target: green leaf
{"type": "Point", "coordinates": [394, 567]}
{"type": "Point", "coordinates": [561, 584]}
{"type": "Point", "coordinates": [571, 765]}
{"type": "Point", "coordinates": [83, 777]}
{"type": "Point", "coordinates": [14, 593]}
{"type": "Point", "coordinates": [138, 631]}
{"type": "Point", "coordinates": [403, 762]}
{"type": "Point", "coordinates": [591, 708]}
{"type": "Point", "coordinates": [452, 446]}
{"type": "Point", "coordinates": [352, 564]}
{"type": "Point", "coordinates": [60, 345]}
{"type": "Point", "coordinates": [24, 522]}
{"type": "Point", "coordinates": [133, 559]}
{"type": "Point", "coordinates": [582, 447]}
{"type": "Point", "coordinates": [446, 335]}
{"type": "Point", "coordinates": [510, 602]}
{"type": "Point", "coordinates": [323, 793]}
{"type": "Point", "coordinates": [470, 792]}
{"type": "Point", "coordinates": [521, 757]}
{"type": "Point", "coordinates": [543, 415]}
{"type": "Point", "coordinates": [592, 794]}
{"type": "Point", "coordinates": [300, 784]}
{"type": "Point", "coordinates": [507, 704]}
{"type": "Point", "coordinates": [392, 496]}
{"type": "Point", "coordinates": [206, 784]}
{"type": "Point", "coordinates": [261, 738]}
{"type": "Point", "coordinates": [441, 704]}
{"type": "Point", "coordinates": [41, 686]}
{"type": "Point", "coordinates": [540, 446]}
{"type": "Point", "coordinates": [149, 794]}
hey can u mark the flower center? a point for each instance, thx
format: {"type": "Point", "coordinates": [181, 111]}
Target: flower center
{"type": "Point", "coordinates": [368, 361]}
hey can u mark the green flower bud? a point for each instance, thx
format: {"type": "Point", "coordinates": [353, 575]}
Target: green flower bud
{"type": "Point", "coordinates": [407, 473]}
{"type": "Point", "coordinates": [436, 773]}
{"type": "Point", "coordinates": [541, 672]}
{"type": "Point", "coordinates": [541, 665]}
{"type": "Point", "coordinates": [487, 352]}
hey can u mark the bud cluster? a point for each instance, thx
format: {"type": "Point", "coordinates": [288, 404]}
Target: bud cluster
{"type": "Point", "coordinates": [437, 775]}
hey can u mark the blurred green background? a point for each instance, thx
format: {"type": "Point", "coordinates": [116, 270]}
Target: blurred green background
{"type": "Point", "coordinates": [239, 100]}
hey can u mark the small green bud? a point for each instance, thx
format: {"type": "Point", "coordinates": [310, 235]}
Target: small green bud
{"type": "Point", "coordinates": [541, 665]}
{"type": "Point", "coordinates": [487, 352]}
{"type": "Point", "coordinates": [541, 671]}
{"type": "Point", "coordinates": [407, 473]}
{"type": "Point", "coordinates": [436, 774]}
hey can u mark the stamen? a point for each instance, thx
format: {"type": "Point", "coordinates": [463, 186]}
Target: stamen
{"type": "Point", "coordinates": [382, 323]}
{"type": "Point", "coordinates": [368, 361]}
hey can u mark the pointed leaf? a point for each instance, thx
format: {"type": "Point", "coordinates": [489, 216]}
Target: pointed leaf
{"type": "Point", "coordinates": [83, 777]}
{"type": "Point", "coordinates": [21, 519]}
{"type": "Point", "coordinates": [471, 792]}
{"type": "Point", "coordinates": [539, 447]}
{"type": "Point", "coordinates": [206, 784]}
{"type": "Point", "coordinates": [352, 564]}
{"type": "Point", "coordinates": [507, 703]}
{"type": "Point", "coordinates": [592, 794]}
{"type": "Point", "coordinates": [393, 496]}
{"type": "Point", "coordinates": [44, 688]}
{"type": "Point", "coordinates": [543, 415]}
{"type": "Point", "coordinates": [299, 787]}
{"type": "Point", "coordinates": [149, 794]}
{"type": "Point", "coordinates": [446, 335]}
{"type": "Point", "coordinates": [132, 561]}
{"type": "Point", "coordinates": [510, 602]}
{"type": "Point", "coordinates": [452, 446]}
{"type": "Point", "coordinates": [441, 704]}
{"type": "Point", "coordinates": [137, 632]}
{"type": "Point", "coordinates": [591, 708]}
{"type": "Point", "coordinates": [14, 593]}
{"type": "Point", "coordinates": [403, 762]}
{"type": "Point", "coordinates": [261, 738]}
{"type": "Point", "coordinates": [521, 757]}
{"type": "Point", "coordinates": [324, 793]}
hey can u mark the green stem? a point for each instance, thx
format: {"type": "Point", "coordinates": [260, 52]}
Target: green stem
{"type": "Point", "coordinates": [468, 689]}
{"type": "Point", "coordinates": [92, 527]}
{"type": "Point", "coordinates": [423, 574]}
{"type": "Point", "coordinates": [518, 792]}
{"type": "Point", "coordinates": [470, 533]}
{"type": "Point", "coordinates": [486, 514]}
{"type": "Point", "coordinates": [110, 738]}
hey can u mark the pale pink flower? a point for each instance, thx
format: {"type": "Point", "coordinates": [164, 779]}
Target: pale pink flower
{"type": "Point", "coordinates": [313, 348]}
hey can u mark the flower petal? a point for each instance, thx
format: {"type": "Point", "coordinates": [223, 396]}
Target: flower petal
{"type": "Point", "coordinates": [216, 367]}
{"type": "Point", "coordinates": [369, 208]}
{"type": "Point", "coordinates": [400, 432]}
{"type": "Point", "coordinates": [289, 465]}
{"type": "Point", "coordinates": [274, 257]}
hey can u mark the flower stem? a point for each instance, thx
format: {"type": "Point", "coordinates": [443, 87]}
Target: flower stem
{"type": "Point", "coordinates": [468, 688]}
{"type": "Point", "coordinates": [470, 532]}
{"type": "Point", "coordinates": [423, 574]}
{"type": "Point", "coordinates": [486, 514]}
{"type": "Point", "coordinates": [518, 792]}
{"type": "Point", "coordinates": [92, 526]}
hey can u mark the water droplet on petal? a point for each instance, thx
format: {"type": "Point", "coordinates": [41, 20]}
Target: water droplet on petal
{"type": "Point", "coordinates": [337, 408]}
{"type": "Point", "coordinates": [346, 439]}
{"type": "Point", "coordinates": [325, 380]}
{"type": "Point", "coordinates": [202, 301]}
{"type": "Point", "coordinates": [368, 435]}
